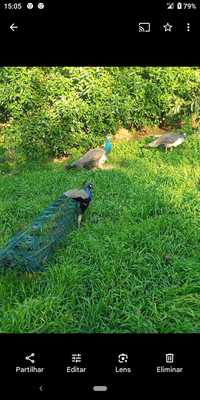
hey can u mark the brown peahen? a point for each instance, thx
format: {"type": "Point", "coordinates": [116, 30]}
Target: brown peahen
{"type": "Point", "coordinates": [169, 140]}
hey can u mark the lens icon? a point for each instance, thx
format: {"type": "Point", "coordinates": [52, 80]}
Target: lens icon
{"type": "Point", "coordinates": [30, 6]}
{"type": "Point", "coordinates": [40, 6]}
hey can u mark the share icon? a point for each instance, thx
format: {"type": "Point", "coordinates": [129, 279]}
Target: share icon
{"type": "Point", "coordinates": [30, 358]}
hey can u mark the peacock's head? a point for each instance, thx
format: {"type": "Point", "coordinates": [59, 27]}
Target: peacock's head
{"type": "Point", "coordinates": [90, 186]}
{"type": "Point", "coordinates": [87, 185]}
{"type": "Point", "coordinates": [108, 138]}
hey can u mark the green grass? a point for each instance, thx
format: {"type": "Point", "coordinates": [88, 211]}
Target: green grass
{"type": "Point", "coordinates": [113, 276]}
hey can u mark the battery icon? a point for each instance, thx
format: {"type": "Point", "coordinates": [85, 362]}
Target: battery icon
{"type": "Point", "coordinates": [179, 6]}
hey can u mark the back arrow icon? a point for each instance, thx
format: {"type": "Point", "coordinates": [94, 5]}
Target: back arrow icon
{"type": "Point", "coordinates": [13, 27]}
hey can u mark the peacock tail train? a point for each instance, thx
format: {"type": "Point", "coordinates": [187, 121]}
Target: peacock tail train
{"type": "Point", "coordinates": [31, 249]}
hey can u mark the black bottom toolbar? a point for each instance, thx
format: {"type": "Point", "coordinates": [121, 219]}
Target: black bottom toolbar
{"type": "Point", "coordinates": [90, 363]}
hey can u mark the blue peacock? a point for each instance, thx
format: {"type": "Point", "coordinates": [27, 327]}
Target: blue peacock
{"type": "Point", "coordinates": [94, 158]}
{"type": "Point", "coordinates": [31, 249]}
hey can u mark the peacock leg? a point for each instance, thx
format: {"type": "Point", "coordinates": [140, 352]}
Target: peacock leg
{"type": "Point", "coordinates": [79, 220]}
{"type": "Point", "coordinates": [30, 275]}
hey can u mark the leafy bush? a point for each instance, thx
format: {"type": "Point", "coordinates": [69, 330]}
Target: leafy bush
{"type": "Point", "coordinates": [48, 111]}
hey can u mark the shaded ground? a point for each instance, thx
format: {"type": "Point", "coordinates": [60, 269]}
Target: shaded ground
{"type": "Point", "coordinates": [123, 135]}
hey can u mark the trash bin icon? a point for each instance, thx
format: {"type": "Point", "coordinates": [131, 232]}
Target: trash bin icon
{"type": "Point", "coordinates": [169, 358]}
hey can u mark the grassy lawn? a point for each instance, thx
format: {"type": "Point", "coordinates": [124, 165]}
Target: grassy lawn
{"type": "Point", "coordinates": [134, 266]}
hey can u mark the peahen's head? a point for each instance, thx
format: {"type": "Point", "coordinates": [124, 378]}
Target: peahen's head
{"type": "Point", "coordinates": [108, 145]}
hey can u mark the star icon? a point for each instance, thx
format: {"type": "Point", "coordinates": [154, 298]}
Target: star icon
{"type": "Point", "coordinates": [168, 27]}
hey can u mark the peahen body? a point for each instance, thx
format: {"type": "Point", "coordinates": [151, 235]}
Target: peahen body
{"type": "Point", "coordinates": [32, 248]}
{"type": "Point", "coordinates": [168, 141]}
{"type": "Point", "coordinates": [93, 158]}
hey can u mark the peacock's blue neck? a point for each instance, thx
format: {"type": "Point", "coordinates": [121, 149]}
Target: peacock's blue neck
{"type": "Point", "coordinates": [108, 146]}
{"type": "Point", "coordinates": [89, 192]}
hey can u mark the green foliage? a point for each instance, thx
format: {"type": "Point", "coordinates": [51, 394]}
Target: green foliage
{"type": "Point", "coordinates": [48, 111]}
